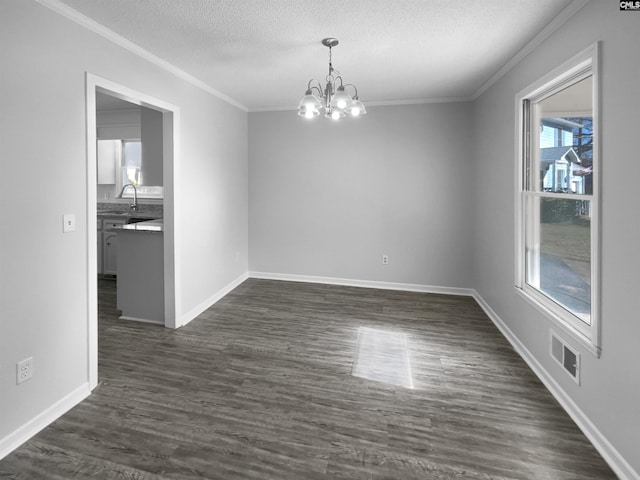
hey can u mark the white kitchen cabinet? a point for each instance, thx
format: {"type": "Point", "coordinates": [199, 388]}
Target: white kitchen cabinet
{"type": "Point", "coordinates": [99, 250]}
{"type": "Point", "coordinates": [110, 253]}
{"type": "Point", "coordinates": [108, 160]}
{"type": "Point", "coordinates": [110, 245]}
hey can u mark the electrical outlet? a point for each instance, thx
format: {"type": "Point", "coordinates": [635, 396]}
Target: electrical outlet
{"type": "Point", "coordinates": [385, 259]}
{"type": "Point", "coordinates": [24, 370]}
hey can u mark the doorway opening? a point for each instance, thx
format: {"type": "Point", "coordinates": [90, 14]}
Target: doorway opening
{"type": "Point", "coordinates": [169, 115]}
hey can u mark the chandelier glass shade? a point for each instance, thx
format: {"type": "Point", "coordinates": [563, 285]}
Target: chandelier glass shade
{"type": "Point", "coordinates": [334, 97]}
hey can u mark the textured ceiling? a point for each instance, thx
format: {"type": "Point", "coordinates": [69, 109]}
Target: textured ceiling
{"type": "Point", "coordinates": [262, 53]}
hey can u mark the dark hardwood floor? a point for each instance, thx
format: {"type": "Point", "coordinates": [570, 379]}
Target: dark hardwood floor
{"type": "Point", "coordinates": [260, 387]}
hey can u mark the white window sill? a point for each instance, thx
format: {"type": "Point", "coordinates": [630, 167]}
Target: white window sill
{"type": "Point", "coordinates": [583, 340]}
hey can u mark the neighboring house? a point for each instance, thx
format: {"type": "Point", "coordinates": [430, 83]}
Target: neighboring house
{"type": "Point", "coordinates": [560, 170]}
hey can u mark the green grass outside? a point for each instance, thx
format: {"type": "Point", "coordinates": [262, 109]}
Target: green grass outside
{"type": "Point", "coordinates": [567, 240]}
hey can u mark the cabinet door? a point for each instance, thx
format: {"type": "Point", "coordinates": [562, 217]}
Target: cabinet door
{"type": "Point", "coordinates": [109, 152]}
{"type": "Point", "coordinates": [99, 252]}
{"type": "Point", "coordinates": [110, 253]}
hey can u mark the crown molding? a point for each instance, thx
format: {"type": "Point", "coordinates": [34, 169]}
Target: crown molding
{"type": "Point", "coordinates": [559, 20]}
{"type": "Point", "coordinates": [378, 103]}
{"type": "Point", "coordinates": [86, 22]}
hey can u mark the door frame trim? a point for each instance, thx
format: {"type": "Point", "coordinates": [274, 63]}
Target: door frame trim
{"type": "Point", "coordinates": [171, 148]}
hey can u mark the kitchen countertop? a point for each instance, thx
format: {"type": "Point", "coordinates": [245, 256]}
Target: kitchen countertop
{"type": "Point", "coordinates": [126, 214]}
{"type": "Point", "coordinates": [155, 226]}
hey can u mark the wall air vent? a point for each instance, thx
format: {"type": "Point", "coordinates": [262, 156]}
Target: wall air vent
{"type": "Point", "coordinates": [566, 356]}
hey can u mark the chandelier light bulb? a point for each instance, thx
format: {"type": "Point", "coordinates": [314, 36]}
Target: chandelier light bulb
{"type": "Point", "coordinates": [335, 115]}
{"type": "Point", "coordinates": [341, 99]}
{"type": "Point", "coordinates": [357, 107]}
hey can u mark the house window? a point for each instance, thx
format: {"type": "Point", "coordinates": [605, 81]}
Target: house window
{"type": "Point", "coordinates": [131, 169]}
{"type": "Point", "coordinates": [558, 199]}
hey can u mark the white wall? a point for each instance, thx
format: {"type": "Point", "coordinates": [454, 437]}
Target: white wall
{"type": "Point", "coordinates": [43, 289]}
{"type": "Point", "coordinates": [609, 396]}
{"type": "Point", "coordinates": [329, 199]}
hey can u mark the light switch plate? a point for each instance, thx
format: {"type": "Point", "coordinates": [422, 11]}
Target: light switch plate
{"type": "Point", "coordinates": [68, 222]}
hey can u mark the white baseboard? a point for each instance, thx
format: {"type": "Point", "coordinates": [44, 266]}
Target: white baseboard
{"type": "Point", "coordinates": [409, 287]}
{"type": "Point", "coordinates": [142, 320]}
{"type": "Point", "coordinates": [197, 310]}
{"type": "Point", "coordinates": [33, 426]}
{"type": "Point", "coordinates": [617, 463]}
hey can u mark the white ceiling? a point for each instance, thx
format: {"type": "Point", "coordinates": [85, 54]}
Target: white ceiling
{"type": "Point", "coordinates": [262, 53]}
{"type": "Point", "coordinates": [106, 102]}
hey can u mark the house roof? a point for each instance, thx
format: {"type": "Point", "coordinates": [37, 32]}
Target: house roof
{"type": "Point", "coordinates": [554, 154]}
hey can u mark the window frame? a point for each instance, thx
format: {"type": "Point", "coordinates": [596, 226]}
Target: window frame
{"type": "Point", "coordinates": [581, 66]}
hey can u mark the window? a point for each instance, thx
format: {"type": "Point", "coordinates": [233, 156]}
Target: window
{"type": "Point", "coordinates": [131, 171]}
{"type": "Point", "coordinates": [131, 168]}
{"type": "Point", "coordinates": [558, 199]}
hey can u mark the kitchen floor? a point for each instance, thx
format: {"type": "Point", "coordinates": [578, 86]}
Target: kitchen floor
{"type": "Point", "coordinates": [261, 386]}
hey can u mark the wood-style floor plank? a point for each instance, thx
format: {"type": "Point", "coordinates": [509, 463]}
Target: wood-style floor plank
{"type": "Point", "coordinates": [260, 387]}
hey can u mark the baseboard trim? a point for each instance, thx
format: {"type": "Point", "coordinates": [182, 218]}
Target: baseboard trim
{"type": "Point", "coordinates": [409, 287]}
{"type": "Point", "coordinates": [141, 320]}
{"type": "Point", "coordinates": [22, 434]}
{"type": "Point", "coordinates": [617, 463]}
{"type": "Point", "coordinates": [213, 299]}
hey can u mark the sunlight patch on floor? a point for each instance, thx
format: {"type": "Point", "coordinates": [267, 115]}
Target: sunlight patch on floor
{"type": "Point", "coordinates": [383, 357]}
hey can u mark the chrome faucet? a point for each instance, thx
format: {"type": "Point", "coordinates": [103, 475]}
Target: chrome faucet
{"type": "Point", "coordinates": [133, 206]}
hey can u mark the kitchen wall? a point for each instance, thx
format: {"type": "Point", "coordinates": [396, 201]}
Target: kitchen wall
{"type": "Point", "coordinates": [606, 402]}
{"type": "Point", "coordinates": [329, 199]}
{"type": "Point", "coordinates": [119, 124]}
{"type": "Point", "coordinates": [43, 289]}
{"type": "Point", "coordinates": [129, 122]}
{"type": "Point", "coordinates": [151, 138]}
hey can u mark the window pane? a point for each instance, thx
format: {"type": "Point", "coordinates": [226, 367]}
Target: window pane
{"type": "Point", "coordinates": [558, 261]}
{"type": "Point", "coordinates": [562, 129]}
{"type": "Point", "coordinates": [131, 171]}
{"type": "Point", "coordinates": [132, 154]}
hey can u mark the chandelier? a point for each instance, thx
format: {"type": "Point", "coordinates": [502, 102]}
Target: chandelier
{"type": "Point", "coordinates": [334, 98]}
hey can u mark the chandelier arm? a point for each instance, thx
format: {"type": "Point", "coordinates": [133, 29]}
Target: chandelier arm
{"type": "Point", "coordinates": [317, 87]}
{"type": "Point", "coordinates": [352, 85]}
